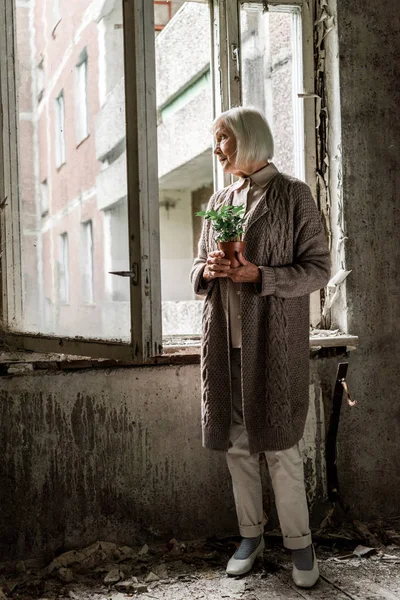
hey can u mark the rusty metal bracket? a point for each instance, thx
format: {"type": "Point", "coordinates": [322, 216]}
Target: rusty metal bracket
{"type": "Point", "coordinates": [350, 402]}
{"type": "Point", "coordinates": [331, 438]}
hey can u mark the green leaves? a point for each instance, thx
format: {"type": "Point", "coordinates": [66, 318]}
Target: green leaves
{"type": "Point", "coordinates": [227, 222]}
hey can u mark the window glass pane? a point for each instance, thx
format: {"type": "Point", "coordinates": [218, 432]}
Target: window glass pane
{"type": "Point", "coordinates": [87, 263]}
{"type": "Point", "coordinates": [82, 98]}
{"type": "Point", "coordinates": [44, 196]}
{"type": "Point", "coordinates": [271, 65]}
{"type": "Point", "coordinates": [59, 137]}
{"type": "Point", "coordinates": [63, 269]}
{"type": "Point", "coordinates": [184, 103]}
{"type": "Point", "coordinates": [72, 165]}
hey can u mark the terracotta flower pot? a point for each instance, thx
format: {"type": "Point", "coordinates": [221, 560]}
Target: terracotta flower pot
{"type": "Point", "coordinates": [231, 249]}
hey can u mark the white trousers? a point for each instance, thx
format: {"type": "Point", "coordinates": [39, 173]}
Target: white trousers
{"type": "Point", "coordinates": [287, 475]}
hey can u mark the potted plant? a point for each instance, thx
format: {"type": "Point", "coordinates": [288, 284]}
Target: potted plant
{"type": "Point", "coordinates": [228, 224]}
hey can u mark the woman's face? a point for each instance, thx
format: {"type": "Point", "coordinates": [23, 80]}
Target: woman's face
{"type": "Point", "coordinates": [225, 149]}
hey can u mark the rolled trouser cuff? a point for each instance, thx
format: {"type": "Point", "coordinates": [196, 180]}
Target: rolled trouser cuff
{"type": "Point", "coordinates": [297, 543]}
{"type": "Point", "coordinates": [251, 531]}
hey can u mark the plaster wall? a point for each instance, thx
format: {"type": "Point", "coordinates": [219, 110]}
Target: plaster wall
{"type": "Point", "coordinates": [116, 455]}
{"type": "Point", "coordinates": [369, 46]}
{"type": "Point", "coordinates": [176, 242]}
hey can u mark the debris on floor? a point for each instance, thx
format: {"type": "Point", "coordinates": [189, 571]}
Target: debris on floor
{"type": "Point", "coordinates": [350, 567]}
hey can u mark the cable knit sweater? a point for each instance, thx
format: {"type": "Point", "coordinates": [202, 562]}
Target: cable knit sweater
{"type": "Point", "coordinates": [284, 236]}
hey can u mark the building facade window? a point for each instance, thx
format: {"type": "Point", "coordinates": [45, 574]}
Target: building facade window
{"type": "Point", "coordinates": [55, 13]}
{"type": "Point", "coordinates": [63, 264]}
{"type": "Point", "coordinates": [40, 80]}
{"type": "Point", "coordinates": [87, 263]}
{"type": "Point", "coordinates": [81, 98]}
{"type": "Point", "coordinates": [116, 252]}
{"type": "Point", "coordinates": [44, 198]}
{"type": "Point", "coordinates": [60, 129]}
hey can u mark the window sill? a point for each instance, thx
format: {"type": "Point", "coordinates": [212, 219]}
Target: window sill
{"type": "Point", "coordinates": [326, 338]}
{"type": "Point", "coordinates": [185, 351]}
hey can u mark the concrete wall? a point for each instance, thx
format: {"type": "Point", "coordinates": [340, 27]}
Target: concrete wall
{"type": "Point", "coordinates": [176, 243]}
{"type": "Point", "coordinates": [369, 46]}
{"type": "Point", "coordinates": [116, 455]}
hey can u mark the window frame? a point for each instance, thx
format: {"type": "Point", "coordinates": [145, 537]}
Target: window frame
{"type": "Point", "coordinates": [226, 35]}
{"type": "Point", "coordinates": [63, 260]}
{"type": "Point", "coordinates": [87, 262]}
{"type": "Point", "coordinates": [81, 104]}
{"type": "Point", "coordinates": [59, 125]}
{"type": "Point", "coordinates": [44, 198]}
{"type": "Point", "coordinates": [143, 219]}
{"type": "Point", "coordinates": [307, 9]}
{"type": "Point", "coordinates": [226, 31]}
{"type": "Point", "coordinates": [141, 140]}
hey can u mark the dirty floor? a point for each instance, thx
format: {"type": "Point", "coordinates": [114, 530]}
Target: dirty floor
{"type": "Point", "coordinates": [357, 563]}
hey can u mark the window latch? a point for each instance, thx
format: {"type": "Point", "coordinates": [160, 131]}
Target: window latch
{"type": "Point", "coordinates": [133, 275]}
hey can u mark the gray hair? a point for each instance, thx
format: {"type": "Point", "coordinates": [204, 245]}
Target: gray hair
{"type": "Point", "coordinates": [253, 135]}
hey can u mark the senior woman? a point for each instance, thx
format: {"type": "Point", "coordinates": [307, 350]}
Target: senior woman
{"type": "Point", "coordinates": [255, 343]}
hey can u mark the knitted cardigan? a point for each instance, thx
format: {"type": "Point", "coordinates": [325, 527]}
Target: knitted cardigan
{"type": "Point", "coordinates": [285, 238]}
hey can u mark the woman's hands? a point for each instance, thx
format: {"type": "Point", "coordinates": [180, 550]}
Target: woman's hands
{"type": "Point", "coordinates": [218, 266]}
{"type": "Point", "coordinates": [246, 273]}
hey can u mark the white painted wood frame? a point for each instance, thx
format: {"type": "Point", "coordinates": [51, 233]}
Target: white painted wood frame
{"type": "Point", "coordinates": [307, 36]}
{"type": "Point", "coordinates": [142, 197]}
{"type": "Point", "coordinates": [226, 33]}
{"type": "Point", "coordinates": [306, 53]}
{"type": "Point", "coordinates": [225, 66]}
{"type": "Point", "coordinates": [11, 276]}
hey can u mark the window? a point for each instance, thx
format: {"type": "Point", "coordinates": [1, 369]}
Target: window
{"type": "Point", "coordinates": [269, 46]}
{"type": "Point", "coordinates": [40, 80]}
{"type": "Point", "coordinates": [116, 253]}
{"type": "Point", "coordinates": [261, 57]}
{"type": "Point", "coordinates": [55, 13]}
{"type": "Point", "coordinates": [162, 14]}
{"type": "Point", "coordinates": [146, 168]}
{"type": "Point", "coordinates": [87, 263]}
{"type": "Point", "coordinates": [60, 130]}
{"type": "Point", "coordinates": [82, 117]}
{"type": "Point", "coordinates": [185, 111]}
{"type": "Point", "coordinates": [63, 263]}
{"type": "Point", "coordinates": [41, 268]}
{"type": "Point", "coordinates": [44, 198]}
